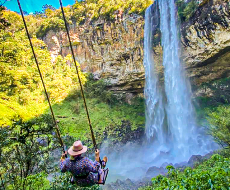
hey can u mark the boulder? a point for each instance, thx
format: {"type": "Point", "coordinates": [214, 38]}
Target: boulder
{"type": "Point", "coordinates": [154, 171]}
{"type": "Point", "coordinates": [194, 159]}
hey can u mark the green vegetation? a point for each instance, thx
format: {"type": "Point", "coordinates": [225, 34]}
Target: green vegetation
{"type": "Point", "coordinates": [3, 22]}
{"type": "Point", "coordinates": [217, 94]}
{"type": "Point", "coordinates": [27, 135]}
{"type": "Point", "coordinates": [25, 149]}
{"type": "Point", "coordinates": [21, 91]}
{"type": "Point", "coordinates": [54, 24]}
{"type": "Point", "coordinates": [211, 174]}
{"type": "Point", "coordinates": [88, 10]}
{"type": "Point", "coordinates": [107, 112]}
{"type": "Point", "coordinates": [107, 8]}
{"type": "Point", "coordinates": [20, 144]}
{"type": "Point", "coordinates": [220, 125]}
{"type": "Point", "coordinates": [186, 10]}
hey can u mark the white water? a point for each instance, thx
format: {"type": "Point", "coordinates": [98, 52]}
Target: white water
{"type": "Point", "coordinates": [180, 136]}
{"type": "Point", "coordinates": [155, 109]}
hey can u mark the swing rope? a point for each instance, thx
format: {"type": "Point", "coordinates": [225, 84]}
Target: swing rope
{"type": "Point", "coordinates": [47, 96]}
{"type": "Point", "coordinates": [79, 79]}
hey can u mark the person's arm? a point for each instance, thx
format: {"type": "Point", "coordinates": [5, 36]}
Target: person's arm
{"type": "Point", "coordinates": [63, 166]}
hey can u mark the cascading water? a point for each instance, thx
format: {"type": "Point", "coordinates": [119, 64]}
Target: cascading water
{"type": "Point", "coordinates": [181, 120]}
{"type": "Point", "coordinates": [181, 132]}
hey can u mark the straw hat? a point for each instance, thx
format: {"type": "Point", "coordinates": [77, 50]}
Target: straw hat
{"type": "Point", "coordinates": [77, 149]}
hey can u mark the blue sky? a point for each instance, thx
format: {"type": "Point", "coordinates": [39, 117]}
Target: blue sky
{"type": "Point", "coordinates": [33, 5]}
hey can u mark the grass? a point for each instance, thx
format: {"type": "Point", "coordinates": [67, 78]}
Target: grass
{"type": "Point", "coordinates": [104, 117]}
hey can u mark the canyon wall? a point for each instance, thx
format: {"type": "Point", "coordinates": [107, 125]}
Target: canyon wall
{"type": "Point", "coordinates": [113, 50]}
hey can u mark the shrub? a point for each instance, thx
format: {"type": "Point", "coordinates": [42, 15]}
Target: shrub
{"type": "Point", "coordinates": [36, 181]}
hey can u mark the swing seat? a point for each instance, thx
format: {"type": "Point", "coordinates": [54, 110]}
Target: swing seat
{"type": "Point", "coordinates": [105, 171]}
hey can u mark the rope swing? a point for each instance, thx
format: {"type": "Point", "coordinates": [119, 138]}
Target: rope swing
{"type": "Point", "coordinates": [47, 96]}
{"type": "Point", "coordinates": [79, 79]}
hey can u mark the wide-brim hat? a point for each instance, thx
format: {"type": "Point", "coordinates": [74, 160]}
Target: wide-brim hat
{"type": "Point", "coordinates": [77, 149]}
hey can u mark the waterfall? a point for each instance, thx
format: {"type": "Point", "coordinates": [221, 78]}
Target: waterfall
{"type": "Point", "coordinates": [154, 110]}
{"type": "Point", "coordinates": [170, 122]}
{"type": "Point", "coordinates": [171, 129]}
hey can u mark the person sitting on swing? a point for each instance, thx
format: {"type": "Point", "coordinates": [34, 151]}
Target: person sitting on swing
{"type": "Point", "coordinates": [85, 171]}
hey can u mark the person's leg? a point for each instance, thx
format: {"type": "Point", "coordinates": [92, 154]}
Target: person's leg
{"type": "Point", "coordinates": [101, 176]}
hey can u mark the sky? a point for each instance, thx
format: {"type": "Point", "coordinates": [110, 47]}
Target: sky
{"type": "Point", "coordinates": [31, 6]}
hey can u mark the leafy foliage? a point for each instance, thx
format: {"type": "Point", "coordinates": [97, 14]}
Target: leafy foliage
{"type": "Point", "coordinates": [99, 88]}
{"type": "Point", "coordinates": [3, 21]}
{"type": "Point", "coordinates": [54, 23]}
{"type": "Point", "coordinates": [220, 125]}
{"type": "Point", "coordinates": [25, 157]}
{"type": "Point", "coordinates": [24, 152]}
{"type": "Point", "coordinates": [110, 115]}
{"type": "Point", "coordinates": [212, 174]}
{"type": "Point", "coordinates": [103, 8]}
{"type": "Point", "coordinates": [21, 91]}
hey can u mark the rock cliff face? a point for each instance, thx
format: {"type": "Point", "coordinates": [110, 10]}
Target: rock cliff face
{"type": "Point", "coordinates": [206, 42]}
{"type": "Point", "coordinates": [110, 50]}
{"type": "Point", "coordinates": [114, 50]}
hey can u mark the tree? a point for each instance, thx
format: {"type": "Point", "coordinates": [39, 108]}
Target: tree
{"type": "Point", "coordinates": [21, 91]}
{"type": "Point", "coordinates": [24, 151]}
{"type": "Point", "coordinates": [46, 6]}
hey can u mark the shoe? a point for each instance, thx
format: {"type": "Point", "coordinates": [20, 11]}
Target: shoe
{"type": "Point", "coordinates": [104, 161]}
